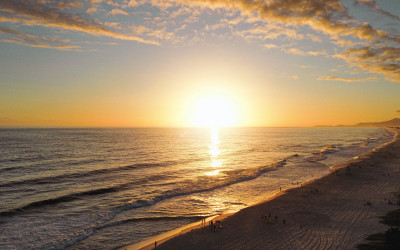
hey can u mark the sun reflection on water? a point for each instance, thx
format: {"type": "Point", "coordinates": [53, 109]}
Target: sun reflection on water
{"type": "Point", "coordinates": [214, 153]}
{"type": "Point", "coordinates": [214, 149]}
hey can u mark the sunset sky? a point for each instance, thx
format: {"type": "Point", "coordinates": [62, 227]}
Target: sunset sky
{"type": "Point", "coordinates": [168, 63]}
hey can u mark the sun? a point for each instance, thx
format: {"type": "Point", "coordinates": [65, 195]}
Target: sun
{"type": "Point", "coordinates": [215, 111]}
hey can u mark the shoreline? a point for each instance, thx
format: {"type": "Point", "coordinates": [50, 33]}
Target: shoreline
{"type": "Point", "coordinates": [161, 238]}
{"type": "Point", "coordinates": [194, 227]}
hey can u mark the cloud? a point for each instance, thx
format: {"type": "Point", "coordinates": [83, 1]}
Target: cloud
{"type": "Point", "coordinates": [34, 13]}
{"type": "Point", "coordinates": [33, 40]}
{"type": "Point", "coordinates": [334, 78]}
{"type": "Point", "coordinates": [132, 3]}
{"type": "Point", "coordinates": [330, 17]}
{"type": "Point", "coordinates": [296, 51]}
{"type": "Point", "coordinates": [381, 60]}
{"type": "Point", "coordinates": [63, 5]}
{"type": "Point", "coordinates": [266, 22]}
{"type": "Point", "coordinates": [269, 31]}
{"type": "Point", "coordinates": [270, 46]}
{"type": "Point", "coordinates": [115, 12]}
{"type": "Point", "coordinates": [372, 5]}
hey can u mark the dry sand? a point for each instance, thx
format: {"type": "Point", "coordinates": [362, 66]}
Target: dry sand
{"type": "Point", "coordinates": [340, 215]}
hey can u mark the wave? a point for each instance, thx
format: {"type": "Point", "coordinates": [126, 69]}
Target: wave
{"type": "Point", "coordinates": [354, 147]}
{"type": "Point", "coordinates": [203, 185]}
{"type": "Point", "coordinates": [63, 177]}
{"type": "Point", "coordinates": [90, 173]}
{"type": "Point", "coordinates": [57, 200]}
{"type": "Point", "coordinates": [83, 235]}
{"type": "Point", "coordinates": [367, 143]}
{"type": "Point", "coordinates": [141, 203]}
{"type": "Point", "coordinates": [166, 218]}
{"type": "Point", "coordinates": [44, 163]}
{"type": "Point", "coordinates": [236, 176]}
{"type": "Point", "coordinates": [33, 158]}
{"type": "Point", "coordinates": [322, 154]}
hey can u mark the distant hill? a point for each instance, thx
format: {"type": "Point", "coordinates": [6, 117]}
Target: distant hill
{"type": "Point", "coordinates": [391, 123]}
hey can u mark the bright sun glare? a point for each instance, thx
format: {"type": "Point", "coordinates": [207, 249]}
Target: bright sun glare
{"type": "Point", "coordinates": [215, 111]}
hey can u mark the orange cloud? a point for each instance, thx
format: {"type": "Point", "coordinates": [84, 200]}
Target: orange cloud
{"type": "Point", "coordinates": [36, 40]}
{"type": "Point", "coordinates": [380, 60]}
{"type": "Point", "coordinates": [296, 51]}
{"type": "Point", "coordinates": [36, 14]}
{"type": "Point", "coordinates": [270, 46]}
{"type": "Point", "coordinates": [330, 17]}
{"type": "Point", "coordinates": [132, 3]}
{"type": "Point", "coordinates": [334, 78]}
{"type": "Point", "coordinates": [69, 5]}
{"type": "Point", "coordinates": [115, 12]}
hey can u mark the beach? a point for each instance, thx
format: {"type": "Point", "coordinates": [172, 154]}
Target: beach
{"type": "Point", "coordinates": [337, 211]}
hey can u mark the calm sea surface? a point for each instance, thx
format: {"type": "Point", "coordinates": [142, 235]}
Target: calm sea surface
{"type": "Point", "coordinates": [106, 188]}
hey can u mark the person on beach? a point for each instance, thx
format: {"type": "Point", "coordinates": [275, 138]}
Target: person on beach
{"type": "Point", "coordinates": [155, 244]}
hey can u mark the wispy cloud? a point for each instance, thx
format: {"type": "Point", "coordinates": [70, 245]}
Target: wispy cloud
{"type": "Point", "coordinates": [35, 13]}
{"type": "Point", "coordinates": [296, 51]}
{"type": "Point", "coordinates": [33, 40]}
{"type": "Point", "coordinates": [132, 3]}
{"type": "Point", "coordinates": [270, 46]}
{"type": "Point", "coordinates": [335, 78]}
{"type": "Point", "coordinates": [293, 77]}
{"type": "Point", "coordinates": [372, 5]}
{"type": "Point", "coordinates": [64, 5]}
{"type": "Point", "coordinates": [115, 12]}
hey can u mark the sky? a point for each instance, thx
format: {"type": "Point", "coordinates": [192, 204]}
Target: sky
{"type": "Point", "coordinates": [181, 63]}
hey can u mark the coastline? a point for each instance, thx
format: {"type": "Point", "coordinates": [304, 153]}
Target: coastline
{"type": "Point", "coordinates": [178, 238]}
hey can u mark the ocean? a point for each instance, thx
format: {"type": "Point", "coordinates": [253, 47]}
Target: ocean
{"type": "Point", "coordinates": [104, 188]}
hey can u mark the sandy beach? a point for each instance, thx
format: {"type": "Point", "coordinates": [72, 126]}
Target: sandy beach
{"type": "Point", "coordinates": [337, 211]}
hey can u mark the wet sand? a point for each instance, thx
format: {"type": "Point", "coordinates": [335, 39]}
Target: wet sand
{"type": "Point", "coordinates": [337, 211]}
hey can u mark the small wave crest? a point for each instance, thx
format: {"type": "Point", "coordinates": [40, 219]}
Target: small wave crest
{"type": "Point", "coordinates": [322, 154]}
{"type": "Point", "coordinates": [204, 184]}
{"type": "Point", "coordinates": [57, 200]}
{"type": "Point", "coordinates": [166, 218]}
{"type": "Point", "coordinates": [90, 173]}
{"type": "Point", "coordinates": [99, 226]}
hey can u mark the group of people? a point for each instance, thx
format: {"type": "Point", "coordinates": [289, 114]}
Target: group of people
{"type": "Point", "coordinates": [215, 226]}
{"type": "Point", "coordinates": [314, 190]}
{"type": "Point", "coordinates": [269, 218]}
